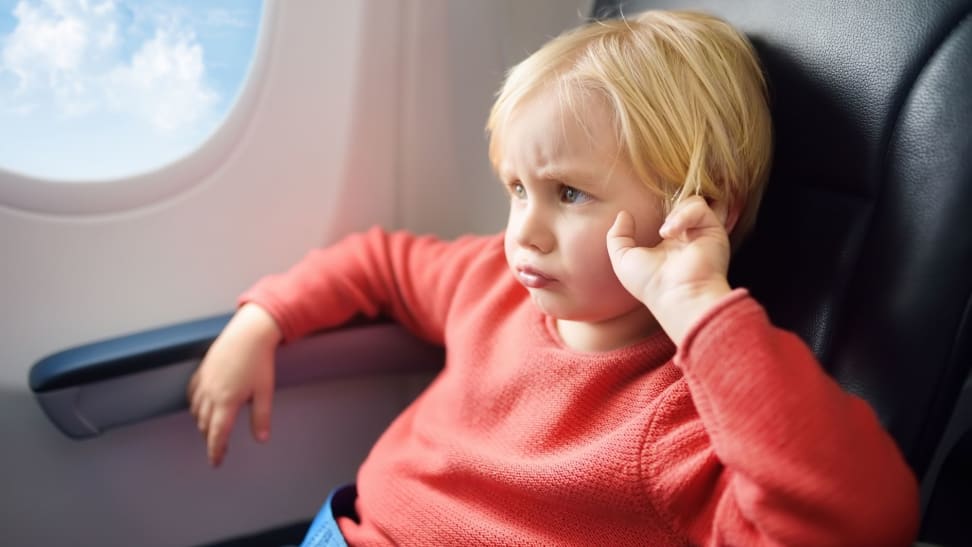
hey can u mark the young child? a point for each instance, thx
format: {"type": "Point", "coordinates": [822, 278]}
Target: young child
{"type": "Point", "coordinates": [603, 385]}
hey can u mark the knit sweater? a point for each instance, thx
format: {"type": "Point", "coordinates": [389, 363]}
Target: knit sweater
{"type": "Point", "coordinates": [738, 437]}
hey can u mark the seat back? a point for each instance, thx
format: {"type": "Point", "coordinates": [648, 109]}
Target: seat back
{"type": "Point", "coordinates": [863, 245]}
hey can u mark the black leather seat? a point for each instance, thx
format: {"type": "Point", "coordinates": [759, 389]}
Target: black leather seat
{"type": "Point", "coordinates": [864, 242]}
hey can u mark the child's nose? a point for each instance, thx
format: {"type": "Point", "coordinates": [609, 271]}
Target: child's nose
{"type": "Point", "coordinates": [534, 230]}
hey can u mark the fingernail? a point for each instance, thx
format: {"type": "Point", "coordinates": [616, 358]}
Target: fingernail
{"type": "Point", "coordinates": [263, 436]}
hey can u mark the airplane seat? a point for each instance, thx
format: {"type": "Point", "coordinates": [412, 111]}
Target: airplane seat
{"type": "Point", "coordinates": [863, 245]}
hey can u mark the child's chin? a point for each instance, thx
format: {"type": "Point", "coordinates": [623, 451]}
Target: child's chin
{"type": "Point", "coordinates": [556, 308]}
{"type": "Point", "coordinates": [547, 304]}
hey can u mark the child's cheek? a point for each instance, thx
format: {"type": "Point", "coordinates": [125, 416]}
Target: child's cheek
{"type": "Point", "coordinates": [646, 232]}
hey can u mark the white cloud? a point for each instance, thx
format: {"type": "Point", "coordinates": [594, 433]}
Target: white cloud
{"type": "Point", "coordinates": [164, 82]}
{"type": "Point", "coordinates": [52, 51]}
{"type": "Point", "coordinates": [69, 57]}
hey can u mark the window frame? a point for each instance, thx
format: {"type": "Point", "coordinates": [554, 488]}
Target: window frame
{"type": "Point", "coordinates": [35, 194]}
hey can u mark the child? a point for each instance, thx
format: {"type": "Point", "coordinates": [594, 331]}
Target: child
{"type": "Point", "coordinates": [604, 385]}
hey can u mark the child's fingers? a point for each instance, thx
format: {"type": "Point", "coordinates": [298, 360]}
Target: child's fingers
{"type": "Point", "coordinates": [688, 214]}
{"type": "Point", "coordinates": [219, 430]}
{"type": "Point", "coordinates": [260, 414]}
{"type": "Point", "coordinates": [620, 237]}
{"type": "Point", "coordinates": [205, 410]}
{"type": "Point", "coordinates": [194, 394]}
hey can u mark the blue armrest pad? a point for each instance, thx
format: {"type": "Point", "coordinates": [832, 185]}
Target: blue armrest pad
{"type": "Point", "coordinates": [126, 354]}
{"type": "Point", "coordinates": [95, 387]}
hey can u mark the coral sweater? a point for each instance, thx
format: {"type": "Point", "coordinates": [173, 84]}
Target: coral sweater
{"type": "Point", "coordinates": [736, 438]}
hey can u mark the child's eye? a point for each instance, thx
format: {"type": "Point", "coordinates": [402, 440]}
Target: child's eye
{"type": "Point", "coordinates": [517, 190]}
{"type": "Point", "coordinates": [569, 194]}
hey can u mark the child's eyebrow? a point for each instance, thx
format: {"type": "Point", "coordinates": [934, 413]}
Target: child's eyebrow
{"type": "Point", "coordinates": [569, 175]}
{"type": "Point", "coordinates": [566, 174]}
{"type": "Point", "coordinates": [504, 173]}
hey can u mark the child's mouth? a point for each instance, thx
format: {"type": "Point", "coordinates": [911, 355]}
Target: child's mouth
{"type": "Point", "coordinates": [532, 278]}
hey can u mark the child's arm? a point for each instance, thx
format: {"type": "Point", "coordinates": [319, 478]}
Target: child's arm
{"type": "Point", "coordinates": [411, 279]}
{"type": "Point", "coordinates": [238, 367]}
{"type": "Point", "coordinates": [408, 278]}
{"type": "Point", "coordinates": [786, 456]}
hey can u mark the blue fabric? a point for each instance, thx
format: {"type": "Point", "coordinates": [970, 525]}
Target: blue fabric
{"type": "Point", "coordinates": [324, 531]}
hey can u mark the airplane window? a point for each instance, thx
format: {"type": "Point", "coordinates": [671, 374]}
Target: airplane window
{"type": "Point", "coordinates": [102, 89]}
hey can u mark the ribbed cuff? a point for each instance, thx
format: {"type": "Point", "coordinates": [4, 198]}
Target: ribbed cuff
{"type": "Point", "coordinates": [712, 319]}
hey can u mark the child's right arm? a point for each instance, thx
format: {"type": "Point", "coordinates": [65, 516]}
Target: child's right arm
{"type": "Point", "coordinates": [237, 368]}
{"type": "Point", "coordinates": [408, 278]}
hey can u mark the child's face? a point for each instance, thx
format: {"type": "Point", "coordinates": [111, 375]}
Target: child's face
{"type": "Point", "coordinates": [567, 181]}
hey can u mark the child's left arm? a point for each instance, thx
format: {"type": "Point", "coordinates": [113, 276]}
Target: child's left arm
{"type": "Point", "coordinates": [796, 459]}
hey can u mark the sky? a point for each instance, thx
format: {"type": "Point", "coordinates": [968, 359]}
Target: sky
{"type": "Point", "coordinates": [102, 89]}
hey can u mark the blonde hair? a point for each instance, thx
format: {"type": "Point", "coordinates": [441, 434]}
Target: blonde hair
{"type": "Point", "coordinates": [688, 94]}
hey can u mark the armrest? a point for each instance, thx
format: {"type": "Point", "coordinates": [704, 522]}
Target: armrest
{"type": "Point", "coordinates": [92, 388]}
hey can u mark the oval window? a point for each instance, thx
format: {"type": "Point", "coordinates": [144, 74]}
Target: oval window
{"type": "Point", "coordinates": [104, 89]}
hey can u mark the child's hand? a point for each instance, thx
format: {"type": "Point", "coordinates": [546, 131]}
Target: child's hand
{"type": "Point", "coordinates": [237, 368]}
{"type": "Point", "coordinates": [682, 276]}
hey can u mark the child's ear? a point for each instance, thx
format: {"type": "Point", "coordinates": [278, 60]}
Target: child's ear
{"type": "Point", "coordinates": [733, 211]}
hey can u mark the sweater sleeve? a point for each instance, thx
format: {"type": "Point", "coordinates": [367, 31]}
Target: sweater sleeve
{"type": "Point", "coordinates": [782, 456]}
{"type": "Point", "coordinates": [412, 279]}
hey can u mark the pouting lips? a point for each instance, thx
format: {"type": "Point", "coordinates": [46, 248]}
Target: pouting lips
{"type": "Point", "coordinates": [533, 278]}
